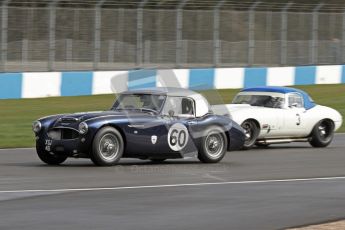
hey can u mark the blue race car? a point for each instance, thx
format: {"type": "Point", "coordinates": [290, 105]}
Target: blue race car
{"type": "Point", "coordinates": [154, 124]}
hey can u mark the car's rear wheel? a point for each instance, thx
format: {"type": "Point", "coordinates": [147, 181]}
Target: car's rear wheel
{"type": "Point", "coordinates": [213, 146]}
{"type": "Point", "coordinates": [107, 147]}
{"type": "Point", "coordinates": [251, 131]}
{"type": "Point", "coordinates": [50, 158]}
{"type": "Point", "coordinates": [322, 134]}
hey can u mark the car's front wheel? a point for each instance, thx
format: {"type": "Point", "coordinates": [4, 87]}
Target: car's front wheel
{"type": "Point", "coordinates": [213, 146]}
{"type": "Point", "coordinates": [107, 147]}
{"type": "Point", "coordinates": [251, 131]}
{"type": "Point", "coordinates": [322, 134]}
{"type": "Point", "coordinates": [50, 158]}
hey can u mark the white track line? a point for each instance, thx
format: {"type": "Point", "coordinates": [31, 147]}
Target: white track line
{"type": "Point", "coordinates": [24, 148]}
{"type": "Point", "coordinates": [170, 185]}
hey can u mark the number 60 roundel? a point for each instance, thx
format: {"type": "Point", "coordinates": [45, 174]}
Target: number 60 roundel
{"type": "Point", "coordinates": [177, 136]}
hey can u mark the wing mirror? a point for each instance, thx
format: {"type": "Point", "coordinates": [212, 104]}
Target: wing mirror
{"type": "Point", "coordinates": [171, 113]}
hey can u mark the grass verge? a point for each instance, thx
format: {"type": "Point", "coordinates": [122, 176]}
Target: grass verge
{"type": "Point", "coordinates": [17, 115]}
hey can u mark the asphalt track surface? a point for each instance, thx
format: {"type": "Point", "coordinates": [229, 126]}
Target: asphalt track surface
{"type": "Point", "coordinates": [282, 186]}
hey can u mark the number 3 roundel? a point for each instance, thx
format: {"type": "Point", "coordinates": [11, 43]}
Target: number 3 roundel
{"type": "Point", "coordinates": [177, 136]}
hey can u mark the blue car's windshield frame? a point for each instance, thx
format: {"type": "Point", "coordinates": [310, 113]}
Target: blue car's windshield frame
{"type": "Point", "coordinates": [140, 102]}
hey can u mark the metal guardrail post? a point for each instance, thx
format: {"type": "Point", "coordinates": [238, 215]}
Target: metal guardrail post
{"type": "Point", "coordinates": [179, 21]}
{"type": "Point", "coordinates": [97, 38]}
{"type": "Point", "coordinates": [139, 47]}
{"type": "Point", "coordinates": [69, 50]}
{"type": "Point", "coordinates": [315, 31]}
{"type": "Point", "coordinates": [52, 25]}
{"type": "Point", "coordinates": [4, 24]}
{"type": "Point", "coordinates": [25, 50]}
{"type": "Point", "coordinates": [283, 35]}
{"type": "Point", "coordinates": [251, 33]}
{"type": "Point", "coordinates": [216, 40]}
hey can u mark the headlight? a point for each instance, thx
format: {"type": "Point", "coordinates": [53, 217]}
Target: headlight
{"type": "Point", "coordinates": [83, 128]}
{"type": "Point", "coordinates": [36, 126]}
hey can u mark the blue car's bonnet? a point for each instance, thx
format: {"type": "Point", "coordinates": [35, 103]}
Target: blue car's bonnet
{"type": "Point", "coordinates": [308, 102]}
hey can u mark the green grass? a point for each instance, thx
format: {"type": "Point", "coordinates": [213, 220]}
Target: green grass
{"type": "Point", "coordinates": [16, 116]}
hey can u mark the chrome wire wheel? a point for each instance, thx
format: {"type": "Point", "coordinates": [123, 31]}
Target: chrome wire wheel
{"type": "Point", "coordinates": [214, 145]}
{"type": "Point", "coordinates": [109, 147]}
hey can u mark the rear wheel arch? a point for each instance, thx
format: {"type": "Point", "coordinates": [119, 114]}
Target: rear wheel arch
{"type": "Point", "coordinates": [255, 121]}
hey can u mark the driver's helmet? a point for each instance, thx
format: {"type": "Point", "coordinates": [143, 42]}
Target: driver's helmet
{"type": "Point", "coordinates": [148, 102]}
{"type": "Point", "coordinates": [279, 102]}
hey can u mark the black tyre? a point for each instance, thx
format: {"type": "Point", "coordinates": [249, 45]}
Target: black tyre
{"type": "Point", "coordinates": [322, 134]}
{"type": "Point", "coordinates": [157, 160]}
{"type": "Point", "coordinates": [50, 158]}
{"type": "Point", "coordinates": [251, 131]}
{"type": "Point", "coordinates": [107, 147]}
{"type": "Point", "coordinates": [213, 146]}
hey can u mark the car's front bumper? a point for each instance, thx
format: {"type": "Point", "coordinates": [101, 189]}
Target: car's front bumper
{"type": "Point", "coordinates": [77, 147]}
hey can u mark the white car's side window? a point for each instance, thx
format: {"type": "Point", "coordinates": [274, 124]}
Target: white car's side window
{"type": "Point", "coordinates": [296, 100]}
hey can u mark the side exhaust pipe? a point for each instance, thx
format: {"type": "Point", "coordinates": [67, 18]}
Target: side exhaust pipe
{"type": "Point", "coordinates": [281, 141]}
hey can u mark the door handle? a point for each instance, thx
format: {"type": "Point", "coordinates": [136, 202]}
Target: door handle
{"type": "Point", "coordinates": [298, 119]}
{"type": "Point", "coordinates": [192, 122]}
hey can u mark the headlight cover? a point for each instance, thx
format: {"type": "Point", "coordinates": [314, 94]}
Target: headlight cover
{"type": "Point", "coordinates": [36, 126]}
{"type": "Point", "coordinates": [83, 128]}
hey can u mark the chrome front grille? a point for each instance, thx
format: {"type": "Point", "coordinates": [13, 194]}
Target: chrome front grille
{"type": "Point", "coordinates": [63, 134]}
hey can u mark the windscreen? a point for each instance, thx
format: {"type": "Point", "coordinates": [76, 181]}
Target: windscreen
{"type": "Point", "coordinates": [139, 102]}
{"type": "Point", "coordinates": [259, 100]}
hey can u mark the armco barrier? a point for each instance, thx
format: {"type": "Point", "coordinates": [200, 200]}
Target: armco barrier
{"type": "Point", "coordinates": [48, 84]}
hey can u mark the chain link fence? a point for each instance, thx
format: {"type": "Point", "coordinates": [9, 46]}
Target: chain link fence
{"type": "Point", "coordinates": [55, 38]}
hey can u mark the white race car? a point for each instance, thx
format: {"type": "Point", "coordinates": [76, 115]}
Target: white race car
{"type": "Point", "coordinates": [271, 115]}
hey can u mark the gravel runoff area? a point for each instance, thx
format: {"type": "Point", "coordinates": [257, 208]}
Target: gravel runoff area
{"type": "Point", "coordinates": [337, 225]}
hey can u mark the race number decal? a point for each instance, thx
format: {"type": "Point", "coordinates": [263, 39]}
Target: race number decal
{"type": "Point", "coordinates": [177, 136]}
